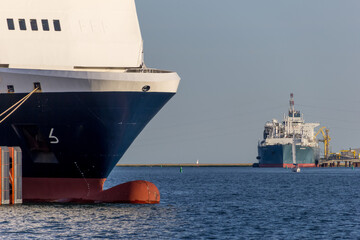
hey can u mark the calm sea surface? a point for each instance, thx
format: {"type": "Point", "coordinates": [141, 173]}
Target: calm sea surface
{"type": "Point", "coordinates": [206, 203]}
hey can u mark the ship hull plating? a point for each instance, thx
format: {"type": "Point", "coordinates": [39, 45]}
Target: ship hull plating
{"type": "Point", "coordinates": [74, 138]}
{"type": "Point", "coordinates": [88, 190]}
{"type": "Point", "coordinates": [281, 156]}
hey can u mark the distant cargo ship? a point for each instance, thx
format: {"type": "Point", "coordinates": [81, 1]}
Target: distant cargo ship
{"type": "Point", "coordinates": [275, 150]}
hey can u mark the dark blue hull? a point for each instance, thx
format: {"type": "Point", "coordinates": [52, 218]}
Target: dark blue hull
{"type": "Point", "coordinates": [281, 156]}
{"type": "Point", "coordinates": [76, 135]}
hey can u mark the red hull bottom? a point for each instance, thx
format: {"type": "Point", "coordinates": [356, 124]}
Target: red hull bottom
{"type": "Point", "coordinates": [88, 191]}
{"type": "Point", "coordinates": [284, 165]}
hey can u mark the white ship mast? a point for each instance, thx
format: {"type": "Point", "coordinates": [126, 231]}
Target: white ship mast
{"type": "Point", "coordinates": [292, 110]}
{"type": "Point", "coordinates": [294, 150]}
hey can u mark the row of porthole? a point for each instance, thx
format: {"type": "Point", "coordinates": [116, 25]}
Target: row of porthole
{"type": "Point", "coordinates": [11, 88]}
{"type": "Point", "coordinates": [33, 24]}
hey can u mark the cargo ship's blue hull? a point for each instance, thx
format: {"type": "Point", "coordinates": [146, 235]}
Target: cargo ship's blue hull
{"type": "Point", "coordinates": [281, 156]}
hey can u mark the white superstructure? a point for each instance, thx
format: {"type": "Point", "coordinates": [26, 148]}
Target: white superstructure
{"type": "Point", "coordinates": [69, 34]}
{"type": "Point", "coordinates": [293, 128]}
{"type": "Point", "coordinates": [78, 46]}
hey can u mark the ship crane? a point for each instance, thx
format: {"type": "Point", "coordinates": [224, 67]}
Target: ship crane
{"type": "Point", "coordinates": [326, 140]}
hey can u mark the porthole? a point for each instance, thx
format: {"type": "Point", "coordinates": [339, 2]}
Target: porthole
{"type": "Point", "coordinates": [146, 88]}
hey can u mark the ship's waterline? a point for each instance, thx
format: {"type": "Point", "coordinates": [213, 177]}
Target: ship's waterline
{"type": "Point", "coordinates": [281, 156]}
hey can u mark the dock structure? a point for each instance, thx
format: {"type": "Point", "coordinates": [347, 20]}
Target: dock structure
{"type": "Point", "coordinates": [344, 158]}
{"type": "Point", "coordinates": [339, 163]}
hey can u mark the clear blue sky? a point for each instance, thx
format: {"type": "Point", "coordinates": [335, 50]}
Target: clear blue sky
{"type": "Point", "coordinates": [239, 60]}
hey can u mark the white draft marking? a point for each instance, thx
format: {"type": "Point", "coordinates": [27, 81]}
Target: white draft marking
{"type": "Point", "coordinates": [54, 140]}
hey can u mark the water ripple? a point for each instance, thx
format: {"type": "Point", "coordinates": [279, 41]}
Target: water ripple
{"type": "Point", "coordinates": [205, 203]}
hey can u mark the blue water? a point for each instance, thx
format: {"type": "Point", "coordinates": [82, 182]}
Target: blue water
{"type": "Point", "coordinates": [206, 203]}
